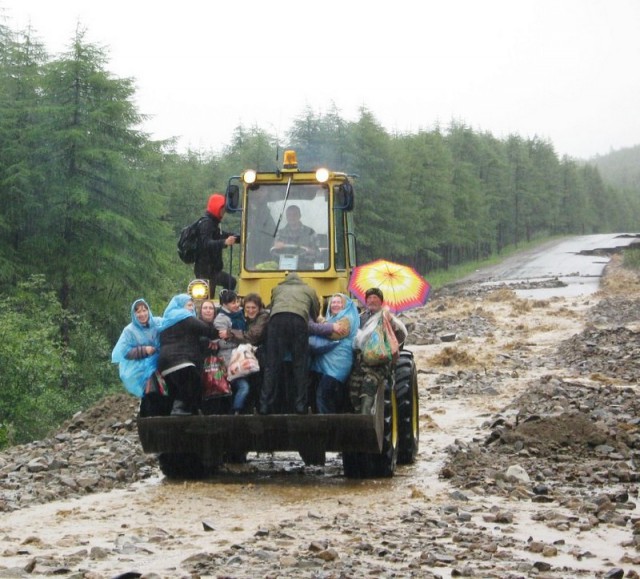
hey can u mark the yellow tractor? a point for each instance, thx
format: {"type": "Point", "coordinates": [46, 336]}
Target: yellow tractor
{"type": "Point", "coordinates": [294, 220]}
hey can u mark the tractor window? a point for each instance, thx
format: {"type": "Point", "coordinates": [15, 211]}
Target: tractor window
{"type": "Point", "coordinates": [287, 231]}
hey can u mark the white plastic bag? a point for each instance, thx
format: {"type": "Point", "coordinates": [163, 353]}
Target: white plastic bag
{"type": "Point", "coordinates": [379, 340]}
{"type": "Point", "coordinates": [243, 362]}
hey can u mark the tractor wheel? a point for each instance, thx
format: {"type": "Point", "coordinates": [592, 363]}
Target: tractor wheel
{"type": "Point", "coordinates": [182, 465]}
{"type": "Point", "coordinates": [239, 457]}
{"type": "Point", "coordinates": [382, 465]}
{"type": "Point", "coordinates": [313, 457]}
{"type": "Point", "coordinates": [406, 386]}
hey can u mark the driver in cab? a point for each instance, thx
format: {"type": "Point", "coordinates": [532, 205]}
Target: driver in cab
{"type": "Point", "coordinates": [300, 238]}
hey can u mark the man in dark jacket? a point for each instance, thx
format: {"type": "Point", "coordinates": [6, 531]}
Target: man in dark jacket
{"type": "Point", "coordinates": [293, 304]}
{"type": "Point", "coordinates": [181, 354]}
{"type": "Point", "coordinates": [211, 241]}
{"type": "Point", "coordinates": [303, 237]}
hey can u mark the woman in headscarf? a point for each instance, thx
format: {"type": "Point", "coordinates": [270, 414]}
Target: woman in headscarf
{"type": "Point", "coordinates": [256, 320]}
{"type": "Point", "coordinates": [335, 365]}
{"type": "Point", "coordinates": [136, 351]}
{"type": "Point", "coordinates": [181, 354]}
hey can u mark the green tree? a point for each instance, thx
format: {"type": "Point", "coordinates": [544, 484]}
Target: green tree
{"type": "Point", "coordinates": [383, 211]}
{"type": "Point", "coordinates": [427, 171]}
{"type": "Point", "coordinates": [102, 212]}
{"type": "Point", "coordinates": [21, 159]}
{"type": "Point", "coordinates": [320, 140]}
{"type": "Point", "coordinates": [541, 203]}
{"type": "Point", "coordinates": [43, 380]}
{"type": "Point", "coordinates": [470, 204]}
{"type": "Point", "coordinates": [574, 202]}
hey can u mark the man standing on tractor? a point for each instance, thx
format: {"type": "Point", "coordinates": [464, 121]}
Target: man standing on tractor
{"type": "Point", "coordinates": [365, 379]}
{"type": "Point", "coordinates": [211, 241]}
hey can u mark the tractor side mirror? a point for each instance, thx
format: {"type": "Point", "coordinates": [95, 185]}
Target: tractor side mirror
{"type": "Point", "coordinates": [233, 198]}
{"type": "Point", "coordinates": [343, 196]}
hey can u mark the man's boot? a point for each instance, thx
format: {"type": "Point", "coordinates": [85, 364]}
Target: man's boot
{"type": "Point", "coordinates": [366, 403]}
{"type": "Point", "coordinates": [368, 395]}
{"type": "Point", "coordinates": [179, 408]}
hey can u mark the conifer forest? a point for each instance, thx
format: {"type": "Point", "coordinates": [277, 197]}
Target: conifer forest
{"type": "Point", "coordinates": [92, 208]}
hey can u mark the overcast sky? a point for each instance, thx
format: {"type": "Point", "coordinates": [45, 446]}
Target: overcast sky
{"type": "Point", "coordinates": [564, 70]}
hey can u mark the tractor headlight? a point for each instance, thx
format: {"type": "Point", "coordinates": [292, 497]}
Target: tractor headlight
{"type": "Point", "coordinates": [249, 176]}
{"type": "Point", "coordinates": [198, 289]}
{"type": "Point", "coordinates": [322, 175]}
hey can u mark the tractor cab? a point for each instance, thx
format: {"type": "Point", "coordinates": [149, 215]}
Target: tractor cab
{"type": "Point", "coordinates": [294, 220]}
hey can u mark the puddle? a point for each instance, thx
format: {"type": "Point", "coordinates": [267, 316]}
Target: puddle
{"type": "Point", "coordinates": [575, 287]}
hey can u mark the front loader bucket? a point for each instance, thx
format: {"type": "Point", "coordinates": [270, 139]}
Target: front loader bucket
{"type": "Point", "coordinates": [210, 437]}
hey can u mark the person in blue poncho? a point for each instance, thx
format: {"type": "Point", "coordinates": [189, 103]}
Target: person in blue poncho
{"type": "Point", "coordinates": [180, 354]}
{"type": "Point", "coordinates": [136, 351]}
{"type": "Point", "coordinates": [335, 365]}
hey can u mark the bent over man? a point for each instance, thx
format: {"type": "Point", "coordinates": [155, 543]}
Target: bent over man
{"type": "Point", "coordinates": [293, 304]}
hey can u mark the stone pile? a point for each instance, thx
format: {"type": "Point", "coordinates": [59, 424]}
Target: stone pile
{"type": "Point", "coordinates": [561, 442]}
{"type": "Point", "coordinates": [95, 451]}
{"type": "Point", "coordinates": [609, 353]}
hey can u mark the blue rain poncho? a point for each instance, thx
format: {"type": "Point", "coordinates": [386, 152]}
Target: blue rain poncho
{"type": "Point", "coordinates": [134, 373]}
{"type": "Point", "coordinates": [337, 362]}
{"type": "Point", "coordinates": [176, 312]}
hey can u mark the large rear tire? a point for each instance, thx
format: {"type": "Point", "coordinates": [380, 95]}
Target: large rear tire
{"type": "Point", "coordinates": [382, 465]}
{"type": "Point", "coordinates": [406, 386]}
{"type": "Point", "coordinates": [313, 457]}
{"type": "Point", "coordinates": [239, 457]}
{"type": "Point", "coordinates": [182, 465]}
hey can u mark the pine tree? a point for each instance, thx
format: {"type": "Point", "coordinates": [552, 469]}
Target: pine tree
{"type": "Point", "coordinates": [21, 159]}
{"type": "Point", "coordinates": [101, 237]}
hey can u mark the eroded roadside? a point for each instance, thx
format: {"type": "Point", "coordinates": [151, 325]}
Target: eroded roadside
{"type": "Point", "coordinates": [527, 468]}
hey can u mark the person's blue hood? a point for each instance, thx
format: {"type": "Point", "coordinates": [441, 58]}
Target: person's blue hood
{"type": "Point", "coordinates": [176, 312]}
{"type": "Point", "coordinates": [153, 322]}
{"type": "Point", "coordinates": [350, 311]}
{"type": "Point", "coordinates": [135, 334]}
{"type": "Point", "coordinates": [134, 373]}
{"type": "Point", "coordinates": [337, 362]}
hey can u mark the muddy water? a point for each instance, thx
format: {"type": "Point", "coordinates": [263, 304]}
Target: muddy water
{"type": "Point", "coordinates": [171, 517]}
{"type": "Point", "coordinates": [586, 551]}
{"type": "Point", "coordinates": [156, 525]}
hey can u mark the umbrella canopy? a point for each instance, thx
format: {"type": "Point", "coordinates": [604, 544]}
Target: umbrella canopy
{"type": "Point", "coordinates": [403, 287]}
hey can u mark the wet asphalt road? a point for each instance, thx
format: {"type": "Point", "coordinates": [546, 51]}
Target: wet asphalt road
{"type": "Point", "coordinates": [576, 262]}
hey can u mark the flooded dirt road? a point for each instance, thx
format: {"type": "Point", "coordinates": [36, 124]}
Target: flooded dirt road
{"type": "Point", "coordinates": [472, 505]}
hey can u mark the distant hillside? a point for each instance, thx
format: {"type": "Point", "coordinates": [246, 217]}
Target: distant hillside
{"type": "Point", "coordinates": [621, 168]}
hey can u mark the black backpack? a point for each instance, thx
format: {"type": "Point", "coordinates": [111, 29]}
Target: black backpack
{"type": "Point", "coordinates": [188, 242]}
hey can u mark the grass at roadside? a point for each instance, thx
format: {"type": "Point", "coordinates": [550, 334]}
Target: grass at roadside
{"type": "Point", "coordinates": [632, 258]}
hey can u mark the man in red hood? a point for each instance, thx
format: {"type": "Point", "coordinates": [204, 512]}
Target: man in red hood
{"type": "Point", "coordinates": [211, 241]}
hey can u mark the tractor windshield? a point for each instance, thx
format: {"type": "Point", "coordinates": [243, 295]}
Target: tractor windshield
{"type": "Point", "coordinates": [287, 228]}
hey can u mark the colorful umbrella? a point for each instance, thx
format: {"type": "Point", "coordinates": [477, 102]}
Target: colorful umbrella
{"type": "Point", "coordinates": [403, 287]}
